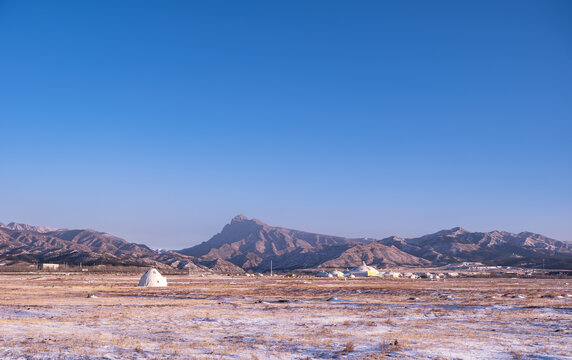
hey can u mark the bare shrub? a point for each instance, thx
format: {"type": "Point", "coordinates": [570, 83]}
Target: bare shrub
{"type": "Point", "coordinates": [349, 347]}
{"type": "Point", "coordinates": [390, 347]}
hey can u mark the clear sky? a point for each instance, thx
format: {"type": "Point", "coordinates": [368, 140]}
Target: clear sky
{"type": "Point", "coordinates": [158, 121]}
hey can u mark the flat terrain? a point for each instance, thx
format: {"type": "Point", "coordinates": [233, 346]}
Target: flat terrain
{"type": "Point", "coordinates": [46, 316]}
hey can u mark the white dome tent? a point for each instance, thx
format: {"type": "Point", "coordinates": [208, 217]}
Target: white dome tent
{"type": "Point", "coordinates": [364, 271]}
{"type": "Point", "coordinates": [152, 278]}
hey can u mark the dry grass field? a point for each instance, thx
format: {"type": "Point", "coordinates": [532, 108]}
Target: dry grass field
{"type": "Point", "coordinates": [50, 316]}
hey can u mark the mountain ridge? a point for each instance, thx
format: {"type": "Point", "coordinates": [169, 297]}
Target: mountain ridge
{"type": "Point", "coordinates": [252, 245]}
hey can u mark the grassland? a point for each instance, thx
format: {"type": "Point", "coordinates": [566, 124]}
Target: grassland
{"type": "Point", "coordinates": [81, 316]}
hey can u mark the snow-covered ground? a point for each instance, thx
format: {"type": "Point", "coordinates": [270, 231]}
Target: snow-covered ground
{"type": "Point", "coordinates": [52, 317]}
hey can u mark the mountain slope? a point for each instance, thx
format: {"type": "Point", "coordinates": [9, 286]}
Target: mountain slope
{"type": "Point", "coordinates": [375, 254]}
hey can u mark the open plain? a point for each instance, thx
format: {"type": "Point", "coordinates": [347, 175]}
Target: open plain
{"type": "Point", "coordinates": [81, 316]}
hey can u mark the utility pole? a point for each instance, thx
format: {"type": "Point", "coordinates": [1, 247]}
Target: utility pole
{"type": "Point", "coordinates": [271, 268]}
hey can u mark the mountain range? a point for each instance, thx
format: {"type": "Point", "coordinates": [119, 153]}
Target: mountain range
{"type": "Point", "coordinates": [251, 245]}
{"type": "Point", "coordinates": [26, 243]}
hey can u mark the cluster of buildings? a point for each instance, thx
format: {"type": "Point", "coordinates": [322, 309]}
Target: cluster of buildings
{"type": "Point", "coordinates": [368, 271]}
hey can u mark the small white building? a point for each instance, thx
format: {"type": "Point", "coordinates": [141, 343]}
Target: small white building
{"type": "Point", "coordinates": [47, 266]}
{"type": "Point", "coordinates": [410, 275]}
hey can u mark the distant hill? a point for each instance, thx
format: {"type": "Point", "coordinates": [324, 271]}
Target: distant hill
{"type": "Point", "coordinates": [21, 242]}
{"type": "Point", "coordinates": [375, 254]}
{"type": "Point", "coordinates": [26, 227]}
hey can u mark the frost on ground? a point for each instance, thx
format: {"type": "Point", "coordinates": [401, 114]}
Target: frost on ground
{"type": "Point", "coordinates": [52, 317]}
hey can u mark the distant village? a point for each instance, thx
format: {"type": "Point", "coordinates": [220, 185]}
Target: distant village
{"type": "Point", "coordinates": [465, 269]}
{"type": "Point", "coordinates": [369, 271]}
{"type": "Point", "coordinates": [449, 271]}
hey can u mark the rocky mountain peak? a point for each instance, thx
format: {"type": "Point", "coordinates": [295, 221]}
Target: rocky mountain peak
{"type": "Point", "coordinates": [238, 218]}
{"type": "Point", "coordinates": [241, 219]}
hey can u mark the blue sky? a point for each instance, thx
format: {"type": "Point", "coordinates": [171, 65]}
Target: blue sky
{"type": "Point", "coordinates": [159, 121]}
